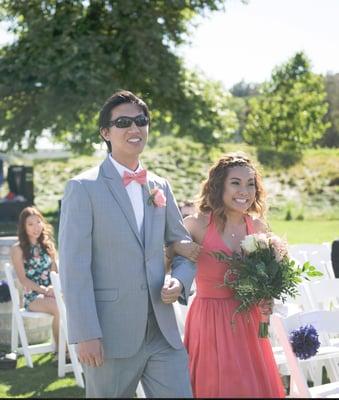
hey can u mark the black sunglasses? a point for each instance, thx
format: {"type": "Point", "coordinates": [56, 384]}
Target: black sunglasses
{"type": "Point", "coordinates": [126, 122]}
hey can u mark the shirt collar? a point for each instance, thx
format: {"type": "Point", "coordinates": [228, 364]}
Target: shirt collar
{"type": "Point", "coordinates": [121, 168]}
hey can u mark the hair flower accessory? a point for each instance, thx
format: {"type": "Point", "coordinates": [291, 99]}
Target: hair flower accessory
{"type": "Point", "coordinates": [305, 342]}
{"type": "Point", "coordinates": [157, 197]}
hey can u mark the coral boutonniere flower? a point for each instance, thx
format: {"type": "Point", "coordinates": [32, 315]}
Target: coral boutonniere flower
{"type": "Point", "coordinates": [156, 197]}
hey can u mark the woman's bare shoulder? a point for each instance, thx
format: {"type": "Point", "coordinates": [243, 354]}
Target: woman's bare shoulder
{"type": "Point", "coordinates": [16, 248]}
{"type": "Point", "coordinates": [197, 225]}
{"type": "Point", "coordinates": [196, 220]}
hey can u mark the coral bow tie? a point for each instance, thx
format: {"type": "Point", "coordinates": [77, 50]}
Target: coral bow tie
{"type": "Point", "coordinates": [139, 177]}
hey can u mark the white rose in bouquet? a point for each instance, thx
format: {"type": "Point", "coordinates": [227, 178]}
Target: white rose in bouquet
{"type": "Point", "coordinates": [262, 240]}
{"type": "Point", "coordinates": [249, 244]}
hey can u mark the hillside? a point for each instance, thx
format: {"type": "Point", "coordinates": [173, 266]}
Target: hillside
{"type": "Point", "coordinates": [304, 191]}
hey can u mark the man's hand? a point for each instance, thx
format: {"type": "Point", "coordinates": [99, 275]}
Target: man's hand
{"type": "Point", "coordinates": [91, 352]}
{"type": "Point", "coordinates": [171, 290]}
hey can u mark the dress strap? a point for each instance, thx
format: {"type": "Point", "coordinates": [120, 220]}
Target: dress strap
{"type": "Point", "coordinates": [249, 224]}
{"type": "Point", "coordinates": [210, 228]}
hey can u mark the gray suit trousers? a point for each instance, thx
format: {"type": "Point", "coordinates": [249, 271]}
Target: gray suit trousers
{"type": "Point", "coordinates": [162, 370]}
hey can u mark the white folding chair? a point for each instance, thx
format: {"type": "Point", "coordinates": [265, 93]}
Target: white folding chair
{"type": "Point", "coordinates": [140, 392]}
{"type": "Point", "coordinates": [323, 321]}
{"type": "Point", "coordinates": [318, 255]}
{"type": "Point", "coordinates": [308, 300]}
{"type": "Point", "coordinates": [18, 327]}
{"type": "Point", "coordinates": [75, 365]}
{"type": "Point", "coordinates": [324, 295]}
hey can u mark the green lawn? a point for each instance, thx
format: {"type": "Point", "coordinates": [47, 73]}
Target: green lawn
{"type": "Point", "coordinates": [316, 231]}
{"type": "Point", "coordinates": [41, 381]}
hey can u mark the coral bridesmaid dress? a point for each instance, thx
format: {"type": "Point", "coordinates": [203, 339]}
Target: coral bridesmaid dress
{"type": "Point", "coordinates": [226, 360]}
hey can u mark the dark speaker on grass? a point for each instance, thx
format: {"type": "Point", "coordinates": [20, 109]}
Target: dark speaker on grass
{"type": "Point", "coordinates": [20, 181]}
{"type": "Point", "coordinates": [335, 257]}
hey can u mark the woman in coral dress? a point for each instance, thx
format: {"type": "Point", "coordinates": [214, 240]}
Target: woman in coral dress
{"type": "Point", "coordinates": [227, 360]}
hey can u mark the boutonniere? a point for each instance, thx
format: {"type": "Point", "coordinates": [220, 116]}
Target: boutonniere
{"type": "Point", "coordinates": [156, 197]}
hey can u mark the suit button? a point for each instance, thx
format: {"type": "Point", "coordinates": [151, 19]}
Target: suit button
{"type": "Point", "coordinates": [144, 286]}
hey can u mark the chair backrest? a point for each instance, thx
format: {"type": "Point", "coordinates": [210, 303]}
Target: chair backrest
{"type": "Point", "coordinates": [323, 294]}
{"type": "Point", "coordinates": [322, 320]}
{"type": "Point", "coordinates": [318, 255]}
{"type": "Point", "coordinates": [9, 271]}
{"type": "Point", "coordinates": [58, 297]}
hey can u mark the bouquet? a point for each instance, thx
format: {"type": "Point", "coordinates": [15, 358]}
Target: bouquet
{"type": "Point", "coordinates": [263, 271]}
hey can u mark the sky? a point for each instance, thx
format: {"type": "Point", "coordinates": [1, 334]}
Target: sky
{"type": "Point", "coordinates": [248, 40]}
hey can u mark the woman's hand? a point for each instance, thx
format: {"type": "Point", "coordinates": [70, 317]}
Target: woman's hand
{"type": "Point", "coordinates": [49, 292]}
{"type": "Point", "coordinates": [190, 250]}
{"type": "Point", "coordinates": [266, 306]}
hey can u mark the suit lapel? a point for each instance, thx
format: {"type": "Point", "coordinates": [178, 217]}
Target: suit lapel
{"type": "Point", "coordinates": [148, 213]}
{"type": "Point", "coordinates": [114, 183]}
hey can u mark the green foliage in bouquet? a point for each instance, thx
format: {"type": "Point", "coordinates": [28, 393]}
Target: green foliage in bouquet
{"type": "Point", "coordinates": [262, 271]}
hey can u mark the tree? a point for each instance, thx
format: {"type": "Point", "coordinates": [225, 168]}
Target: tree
{"type": "Point", "coordinates": [244, 89]}
{"type": "Point", "coordinates": [70, 55]}
{"type": "Point", "coordinates": [242, 92]}
{"type": "Point", "coordinates": [288, 114]}
{"type": "Point", "coordinates": [208, 114]}
{"type": "Point", "coordinates": [331, 136]}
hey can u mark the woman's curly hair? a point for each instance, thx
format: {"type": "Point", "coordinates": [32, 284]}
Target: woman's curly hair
{"type": "Point", "coordinates": [211, 196]}
{"type": "Point", "coordinates": [46, 239]}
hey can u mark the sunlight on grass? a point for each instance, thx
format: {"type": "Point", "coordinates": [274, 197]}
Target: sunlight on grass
{"type": "Point", "coordinates": [41, 381]}
{"type": "Point", "coordinates": [316, 231]}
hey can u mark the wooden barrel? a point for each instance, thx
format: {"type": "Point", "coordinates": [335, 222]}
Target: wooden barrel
{"type": "Point", "coordinates": [37, 330]}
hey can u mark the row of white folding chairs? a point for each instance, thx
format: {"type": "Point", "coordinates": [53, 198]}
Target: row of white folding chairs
{"type": "Point", "coordinates": [325, 322]}
{"type": "Point", "coordinates": [319, 294]}
{"type": "Point", "coordinates": [318, 255]}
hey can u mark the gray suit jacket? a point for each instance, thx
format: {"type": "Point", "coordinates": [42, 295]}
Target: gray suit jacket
{"type": "Point", "coordinates": [105, 268]}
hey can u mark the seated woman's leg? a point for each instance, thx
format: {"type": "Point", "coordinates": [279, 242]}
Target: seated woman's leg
{"type": "Point", "coordinates": [48, 305]}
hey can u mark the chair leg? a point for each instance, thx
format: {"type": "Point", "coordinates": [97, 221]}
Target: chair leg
{"type": "Point", "coordinates": [14, 334]}
{"type": "Point", "coordinates": [140, 391]}
{"type": "Point", "coordinates": [62, 352]}
{"type": "Point", "coordinates": [332, 369]}
{"type": "Point", "coordinates": [76, 366]}
{"type": "Point", "coordinates": [23, 340]}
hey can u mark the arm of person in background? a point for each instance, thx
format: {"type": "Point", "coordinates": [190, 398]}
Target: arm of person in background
{"type": "Point", "coordinates": [18, 263]}
{"type": "Point", "coordinates": [50, 289]}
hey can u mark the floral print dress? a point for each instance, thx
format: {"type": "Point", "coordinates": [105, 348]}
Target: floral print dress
{"type": "Point", "coordinates": [37, 268]}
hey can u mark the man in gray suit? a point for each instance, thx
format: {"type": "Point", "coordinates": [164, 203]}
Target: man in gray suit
{"type": "Point", "coordinates": [115, 220]}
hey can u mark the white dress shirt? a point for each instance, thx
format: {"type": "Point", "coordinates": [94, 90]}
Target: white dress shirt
{"type": "Point", "coordinates": [134, 191]}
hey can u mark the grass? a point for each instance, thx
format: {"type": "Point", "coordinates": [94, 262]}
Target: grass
{"type": "Point", "coordinates": [307, 231]}
{"type": "Point", "coordinates": [41, 381]}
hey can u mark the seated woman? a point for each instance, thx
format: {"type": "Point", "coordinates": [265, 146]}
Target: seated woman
{"type": "Point", "coordinates": [34, 257]}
